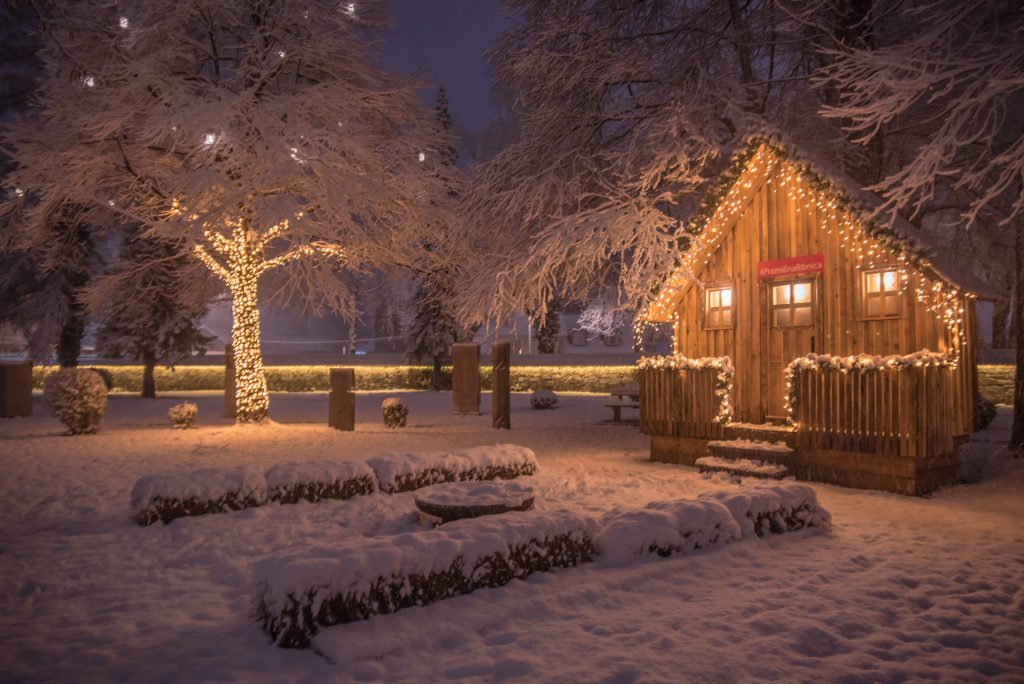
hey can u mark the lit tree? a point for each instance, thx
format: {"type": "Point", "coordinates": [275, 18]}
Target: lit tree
{"type": "Point", "coordinates": [258, 133]}
{"type": "Point", "coordinates": [952, 81]}
{"type": "Point", "coordinates": [149, 307]}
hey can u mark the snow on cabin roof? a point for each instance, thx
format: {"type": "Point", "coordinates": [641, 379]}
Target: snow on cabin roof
{"type": "Point", "coordinates": [898, 233]}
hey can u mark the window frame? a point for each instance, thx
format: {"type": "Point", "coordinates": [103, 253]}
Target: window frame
{"type": "Point", "coordinates": [898, 294]}
{"type": "Point", "coordinates": [706, 309]}
{"type": "Point", "coordinates": [791, 306]}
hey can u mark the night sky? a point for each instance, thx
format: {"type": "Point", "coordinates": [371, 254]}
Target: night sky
{"type": "Point", "coordinates": [445, 40]}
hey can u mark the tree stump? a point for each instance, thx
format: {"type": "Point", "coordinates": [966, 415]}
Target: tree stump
{"type": "Point", "coordinates": [341, 402]}
{"type": "Point", "coordinates": [457, 500]}
{"type": "Point", "coordinates": [15, 389]}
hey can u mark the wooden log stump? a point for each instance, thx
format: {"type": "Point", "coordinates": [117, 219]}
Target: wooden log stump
{"type": "Point", "coordinates": [457, 500]}
{"type": "Point", "coordinates": [16, 389]}
{"type": "Point", "coordinates": [501, 386]}
{"type": "Point", "coordinates": [466, 379]}
{"type": "Point", "coordinates": [341, 402]}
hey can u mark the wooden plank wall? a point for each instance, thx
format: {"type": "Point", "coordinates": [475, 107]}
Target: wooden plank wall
{"type": "Point", "coordinates": [772, 227]}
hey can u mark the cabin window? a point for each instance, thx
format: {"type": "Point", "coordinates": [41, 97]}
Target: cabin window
{"type": "Point", "coordinates": [718, 308]}
{"type": "Point", "coordinates": [881, 292]}
{"type": "Point", "coordinates": [791, 304]}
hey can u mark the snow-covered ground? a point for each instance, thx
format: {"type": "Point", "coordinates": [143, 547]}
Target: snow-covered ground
{"type": "Point", "coordinates": [900, 589]}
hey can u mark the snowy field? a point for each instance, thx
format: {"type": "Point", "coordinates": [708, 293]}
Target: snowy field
{"type": "Point", "coordinates": [900, 589]}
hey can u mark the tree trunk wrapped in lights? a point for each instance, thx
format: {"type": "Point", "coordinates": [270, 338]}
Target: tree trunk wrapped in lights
{"type": "Point", "coordinates": [258, 137]}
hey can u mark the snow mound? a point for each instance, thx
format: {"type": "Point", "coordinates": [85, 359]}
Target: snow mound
{"type": "Point", "coordinates": [302, 590]}
{"type": "Point", "coordinates": [508, 494]}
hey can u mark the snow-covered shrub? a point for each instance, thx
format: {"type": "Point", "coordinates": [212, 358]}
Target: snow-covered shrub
{"type": "Point", "coordinates": [406, 472]}
{"type": "Point", "coordinates": [78, 398]}
{"type": "Point", "coordinates": [667, 527]}
{"type": "Point", "coordinates": [197, 492]}
{"type": "Point", "coordinates": [183, 415]}
{"type": "Point", "coordinates": [986, 412]}
{"type": "Point", "coordinates": [301, 591]}
{"type": "Point", "coordinates": [105, 375]}
{"type": "Point", "coordinates": [395, 412]}
{"type": "Point", "coordinates": [312, 481]}
{"type": "Point", "coordinates": [543, 399]}
{"type": "Point", "coordinates": [775, 508]}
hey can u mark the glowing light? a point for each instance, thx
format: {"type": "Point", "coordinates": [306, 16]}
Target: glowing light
{"type": "Point", "coordinates": [282, 54]}
{"type": "Point", "coordinates": [123, 22]}
{"type": "Point", "coordinates": [89, 82]}
{"type": "Point", "coordinates": [209, 139]}
{"type": "Point", "coordinates": [19, 192]}
{"type": "Point", "coordinates": [422, 156]}
{"type": "Point", "coordinates": [889, 280]}
{"type": "Point", "coordinates": [350, 9]}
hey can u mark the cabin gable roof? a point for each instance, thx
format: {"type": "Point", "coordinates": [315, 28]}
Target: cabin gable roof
{"type": "Point", "coordinates": [829, 189]}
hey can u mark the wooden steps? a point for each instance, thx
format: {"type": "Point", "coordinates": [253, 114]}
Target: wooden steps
{"type": "Point", "coordinates": [762, 432]}
{"type": "Point", "coordinates": [747, 458]}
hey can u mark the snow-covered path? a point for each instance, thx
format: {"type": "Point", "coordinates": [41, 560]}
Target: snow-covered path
{"type": "Point", "coordinates": [900, 589]}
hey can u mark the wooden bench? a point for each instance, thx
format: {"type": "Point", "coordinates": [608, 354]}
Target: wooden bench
{"type": "Point", "coordinates": [617, 406]}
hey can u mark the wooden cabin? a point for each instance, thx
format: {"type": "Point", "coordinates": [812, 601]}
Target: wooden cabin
{"type": "Point", "coordinates": [810, 337]}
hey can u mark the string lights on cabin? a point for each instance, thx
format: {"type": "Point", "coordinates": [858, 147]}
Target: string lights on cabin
{"type": "Point", "coordinates": [871, 246]}
{"type": "Point", "coordinates": [724, 371]}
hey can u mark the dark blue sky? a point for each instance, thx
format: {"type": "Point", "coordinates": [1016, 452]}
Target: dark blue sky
{"type": "Point", "coordinates": [446, 39]}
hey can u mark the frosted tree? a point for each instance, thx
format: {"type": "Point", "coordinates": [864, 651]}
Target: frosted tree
{"type": "Point", "coordinates": [625, 111]}
{"type": "Point", "coordinates": [952, 81]}
{"type": "Point", "coordinates": [149, 307]}
{"type": "Point", "coordinates": [258, 133]}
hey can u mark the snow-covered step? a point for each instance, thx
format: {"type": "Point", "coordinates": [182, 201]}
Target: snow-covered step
{"type": "Point", "coordinates": [762, 432]}
{"type": "Point", "coordinates": [744, 467]}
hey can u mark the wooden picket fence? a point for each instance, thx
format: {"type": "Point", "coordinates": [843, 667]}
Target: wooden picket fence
{"type": "Point", "coordinates": [905, 412]}
{"type": "Point", "coordinates": [679, 403]}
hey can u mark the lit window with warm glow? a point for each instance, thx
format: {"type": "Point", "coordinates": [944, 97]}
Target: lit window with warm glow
{"type": "Point", "coordinates": [881, 291]}
{"type": "Point", "coordinates": [792, 304]}
{"type": "Point", "coordinates": [718, 308]}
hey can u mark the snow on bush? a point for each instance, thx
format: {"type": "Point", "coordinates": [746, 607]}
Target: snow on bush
{"type": "Point", "coordinates": [301, 591]}
{"type": "Point", "coordinates": [183, 415]}
{"type": "Point", "coordinates": [406, 472]}
{"type": "Point", "coordinates": [395, 412]}
{"type": "Point", "coordinates": [543, 399]}
{"type": "Point", "coordinates": [315, 480]}
{"type": "Point", "coordinates": [78, 398]}
{"type": "Point", "coordinates": [197, 492]}
{"type": "Point", "coordinates": [776, 508]}
{"type": "Point", "coordinates": [668, 527]}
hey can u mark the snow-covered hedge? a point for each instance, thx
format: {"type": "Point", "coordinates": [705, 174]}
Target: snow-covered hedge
{"type": "Point", "coordinates": [316, 480]}
{"type": "Point", "coordinates": [183, 415]}
{"type": "Point", "coordinates": [765, 508]}
{"type": "Point", "coordinates": [394, 412]}
{"type": "Point", "coordinates": [197, 492]}
{"type": "Point", "coordinates": [406, 472]}
{"type": "Point", "coordinates": [166, 497]}
{"type": "Point", "coordinates": [543, 399]}
{"type": "Point", "coordinates": [669, 527]}
{"type": "Point", "coordinates": [78, 398]}
{"type": "Point", "coordinates": [301, 591]}
{"type": "Point", "coordinates": [712, 519]}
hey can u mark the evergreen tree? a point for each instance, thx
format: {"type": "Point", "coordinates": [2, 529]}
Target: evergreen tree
{"type": "Point", "coordinates": [150, 306]}
{"type": "Point", "coordinates": [547, 327]}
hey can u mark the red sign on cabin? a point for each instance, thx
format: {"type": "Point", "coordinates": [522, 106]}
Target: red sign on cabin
{"type": "Point", "coordinates": [793, 266]}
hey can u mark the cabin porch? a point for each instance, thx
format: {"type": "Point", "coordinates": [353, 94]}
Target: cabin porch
{"type": "Point", "coordinates": [895, 426]}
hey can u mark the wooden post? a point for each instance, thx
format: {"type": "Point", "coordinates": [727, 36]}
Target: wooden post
{"type": "Point", "coordinates": [341, 402]}
{"type": "Point", "coordinates": [466, 379]}
{"type": "Point", "coordinates": [229, 381]}
{"type": "Point", "coordinates": [15, 389]}
{"type": "Point", "coordinates": [501, 386]}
